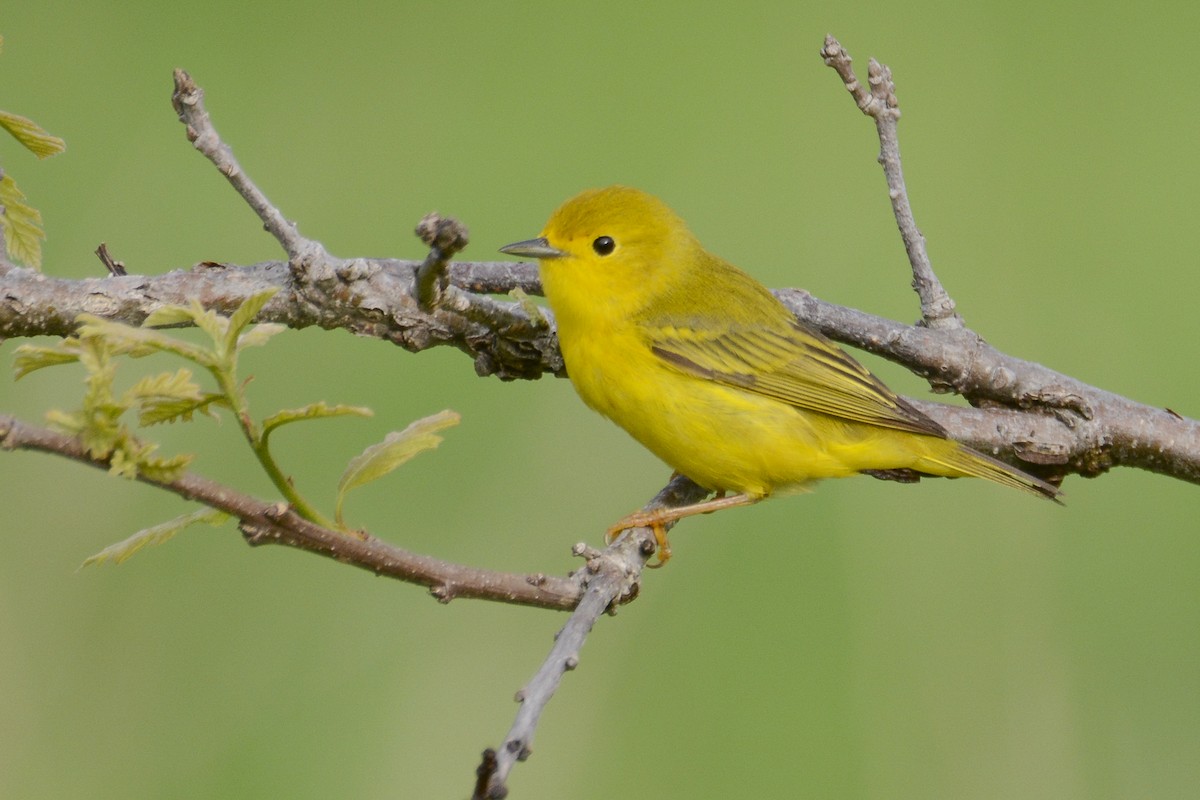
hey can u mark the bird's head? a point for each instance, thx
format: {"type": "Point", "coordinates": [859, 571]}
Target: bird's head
{"type": "Point", "coordinates": [612, 246]}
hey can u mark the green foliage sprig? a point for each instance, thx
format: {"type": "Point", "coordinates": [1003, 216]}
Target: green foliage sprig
{"type": "Point", "coordinates": [99, 424]}
{"type": "Point", "coordinates": [21, 222]}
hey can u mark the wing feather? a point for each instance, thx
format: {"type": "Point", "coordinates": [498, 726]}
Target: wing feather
{"type": "Point", "coordinates": [790, 363]}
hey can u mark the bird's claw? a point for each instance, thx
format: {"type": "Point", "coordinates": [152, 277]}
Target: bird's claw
{"type": "Point", "coordinates": [643, 519]}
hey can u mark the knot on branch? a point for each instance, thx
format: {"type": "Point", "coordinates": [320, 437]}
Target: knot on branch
{"type": "Point", "coordinates": [445, 234]}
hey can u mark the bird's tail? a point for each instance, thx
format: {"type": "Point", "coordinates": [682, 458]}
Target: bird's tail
{"type": "Point", "coordinates": [961, 461]}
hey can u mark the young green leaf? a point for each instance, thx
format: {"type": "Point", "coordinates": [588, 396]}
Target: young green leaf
{"type": "Point", "coordinates": [163, 469]}
{"type": "Point", "coordinates": [124, 455]}
{"type": "Point", "coordinates": [167, 316]}
{"type": "Point", "coordinates": [313, 411]}
{"type": "Point", "coordinates": [122, 339]}
{"type": "Point", "coordinates": [396, 448]}
{"type": "Point", "coordinates": [31, 357]}
{"type": "Point", "coordinates": [31, 135]}
{"type": "Point", "coordinates": [119, 552]}
{"type": "Point", "coordinates": [22, 225]}
{"type": "Point", "coordinates": [259, 335]}
{"type": "Point", "coordinates": [531, 309]}
{"type": "Point", "coordinates": [69, 422]}
{"type": "Point", "coordinates": [168, 397]}
{"type": "Point", "coordinates": [101, 414]}
{"type": "Point", "coordinates": [245, 314]}
{"type": "Point", "coordinates": [210, 322]}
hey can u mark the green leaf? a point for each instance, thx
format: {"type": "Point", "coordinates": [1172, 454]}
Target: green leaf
{"type": "Point", "coordinates": [31, 135]}
{"type": "Point", "coordinates": [70, 423]}
{"type": "Point", "coordinates": [313, 411]}
{"type": "Point", "coordinates": [396, 448]}
{"type": "Point", "coordinates": [210, 322]}
{"type": "Point", "coordinates": [168, 397]}
{"type": "Point", "coordinates": [22, 225]}
{"type": "Point", "coordinates": [259, 335]}
{"type": "Point", "coordinates": [164, 469]}
{"type": "Point", "coordinates": [123, 457]}
{"type": "Point", "coordinates": [30, 357]}
{"type": "Point", "coordinates": [531, 309]}
{"type": "Point", "coordinates": [101, 413]}
{"type": "Point", "coordinates": [119, 552]}
{"type": "Point", "coordinates": [158, 410]}
{"type": "Point", "coordinates": [167, 316]}
{"type": "Point", "coordinates": [125, 339]}
{"type": "Point", "coordinates": [245, 314]}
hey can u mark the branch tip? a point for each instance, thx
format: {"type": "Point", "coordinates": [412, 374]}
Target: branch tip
{"type": "Point", "coordinates": [882, 105]}
{"type": "Point", "coordinates": [188, 102]}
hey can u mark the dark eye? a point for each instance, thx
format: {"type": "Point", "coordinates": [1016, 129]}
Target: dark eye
{"type": "Point", "coordinates": [603, 245]}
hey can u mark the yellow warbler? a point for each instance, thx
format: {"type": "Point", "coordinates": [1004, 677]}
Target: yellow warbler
{"type": "Point", "coordinates": [710, 371]}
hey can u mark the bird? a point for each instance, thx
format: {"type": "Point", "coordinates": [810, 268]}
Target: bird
{"type": "Point", "coordinates": [709, 371]}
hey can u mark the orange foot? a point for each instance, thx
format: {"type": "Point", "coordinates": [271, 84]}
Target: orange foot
{"type": "Point", "coordinates": [660, 519]}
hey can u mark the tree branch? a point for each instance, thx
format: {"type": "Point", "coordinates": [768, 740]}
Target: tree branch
{"type": "Point", "coordinates": [1028, 411]}
{"type": "Point", "coordinates": [188, 101]}
{"type": "Point", "coordinates": [275, 523]}
{"type": "Point", "coordinates": [610, 578]}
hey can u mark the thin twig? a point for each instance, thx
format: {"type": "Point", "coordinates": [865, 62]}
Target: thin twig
{"type": "Point", "coordinates": [880, 103]}
{"type": "Point", "coordinates": [188, 101]}
{"type": "Point", "coordinates": [114, 267]}
{"type": "Point", "coordinates": [275, 523]}
{"type": "Point", "coordinates": [610, 577]}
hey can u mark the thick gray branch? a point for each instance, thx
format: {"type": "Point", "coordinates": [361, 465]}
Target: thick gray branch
{"type": "Point", "coordinates": [1049, 421]}
{"type": "Point", "coordinates": [1070, 426]}
{"type": "Point", "coordinates": [369, 297]}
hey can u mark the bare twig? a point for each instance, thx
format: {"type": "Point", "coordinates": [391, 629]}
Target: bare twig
{"type": "Point", "coordinates": [610, 577]}
{"type": "Point", "coordinates": [188, 100]}
{"type": "Point", "coordinates": [880, 103]}
{"type": "Point", "coordinates": [113, 266]}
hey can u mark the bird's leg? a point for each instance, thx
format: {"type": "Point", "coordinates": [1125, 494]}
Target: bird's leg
{"type": "Point", "coordinates": [658, 519]}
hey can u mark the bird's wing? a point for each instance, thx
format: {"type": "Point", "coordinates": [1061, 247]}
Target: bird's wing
{"type": "Point", "coordinates": [789, 363]}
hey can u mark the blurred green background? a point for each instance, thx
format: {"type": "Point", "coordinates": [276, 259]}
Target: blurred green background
{"type": "Point", "coordinates": [868, 640]}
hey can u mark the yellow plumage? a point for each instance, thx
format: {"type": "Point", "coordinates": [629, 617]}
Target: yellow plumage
{"type": "Point", "coordinates": [708, 370]}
